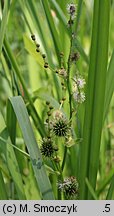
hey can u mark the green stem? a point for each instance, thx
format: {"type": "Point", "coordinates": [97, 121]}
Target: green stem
{"type": "Point", "coordinates": [69, 92]}
{"type": "Point", "coordinates": [68, 72]}
{"type": "Point", "coordinates": [60, 179]}
{"type": "Point", "coordinates": [64, 158]}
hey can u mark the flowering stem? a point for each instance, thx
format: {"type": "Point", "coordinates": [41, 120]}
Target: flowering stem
{"type": "Point", "coordinates": [60, 178]}
{"type": "Point", "coordinates": [64, 158]}
{"type": "Point", "coordinates": [68, 78]}
{"type": "Point", "coordinates": [69, 92]}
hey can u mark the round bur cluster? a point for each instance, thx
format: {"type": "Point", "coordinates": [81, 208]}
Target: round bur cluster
{"type": "Point", "coordinates": [47, 148]}
{"type": "Point", "coordinates": [70, 187]}
{"type": "Point", "coordinates": [61, 128]}
{"type": "Point", "coordinates": [60, 125]}
{"type": "Point", "coordinates": [80, 82]}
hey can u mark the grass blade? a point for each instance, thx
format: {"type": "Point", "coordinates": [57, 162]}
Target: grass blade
{"type": "Point", "coordinates": [78, 13]}
{"type": "Point", "coordinates": [93, 194]}
{"type": "Point", "coordinates": [88, 111]}
{"type": "Point", "coordinates": [105, 182]}
{"type": "Point", "coordinates": [11, 120]}
{"type": "Point", "coordinates": [29, 138]}
{"type": "Point", "coordinates": [60, 14]}
{"type": "Point", "coordinates": [95, 97]}
{"type": "Point", "coordinates": [109, 85]}
{"type": "Point", "coordinates": [99, 91]}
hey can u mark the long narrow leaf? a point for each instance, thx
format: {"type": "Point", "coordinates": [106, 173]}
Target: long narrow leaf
{"type": "Point", "coordinates": [95, 97]}
{"type": "Point", "coordinates": [29, 138]}
{"type": "Point", "coordinates": [99, 88]}
{"type": "Point", "coordinates": [109, 85]}
{"type": "Point", "coordinates": [88, 112]}
{"type": "Point", "coordinates": [78, 13]}
{"type": "Point", "coordinates": [93, 194]}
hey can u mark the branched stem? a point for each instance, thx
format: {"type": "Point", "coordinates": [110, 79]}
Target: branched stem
{"type": "Point", "coordinates": [68, 79]}
{"type": "Point", "coordinates": [69, 92]}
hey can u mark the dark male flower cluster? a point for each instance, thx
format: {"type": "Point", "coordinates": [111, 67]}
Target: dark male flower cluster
{"type": "Point", "coordinates": [71, 8]}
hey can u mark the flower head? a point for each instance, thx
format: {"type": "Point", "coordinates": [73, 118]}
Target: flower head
{"type": "Point", "coordinates": [47, 148]}
{"type": "Point", "coordinates": [79, 82]}
{"type": "Point", "coordinates": [79, 97]}
{"type": "Point", "coordinates": [71, 8]}
{"type": "Point", "coordinates": [61, 127]}
{"type": "Point", "coordinates": [70, 187]}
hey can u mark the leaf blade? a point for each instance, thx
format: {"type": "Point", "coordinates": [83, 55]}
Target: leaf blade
{"type": "Point", "coordinates": [27, 132]}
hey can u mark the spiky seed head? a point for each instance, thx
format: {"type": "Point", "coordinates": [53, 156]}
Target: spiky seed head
{"type": "Point", "coordinates": [61, 127]}
{"type": "Point", "coordinates": [70, 187]}
{"type": "Point", "coordinates": [47, 148]}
